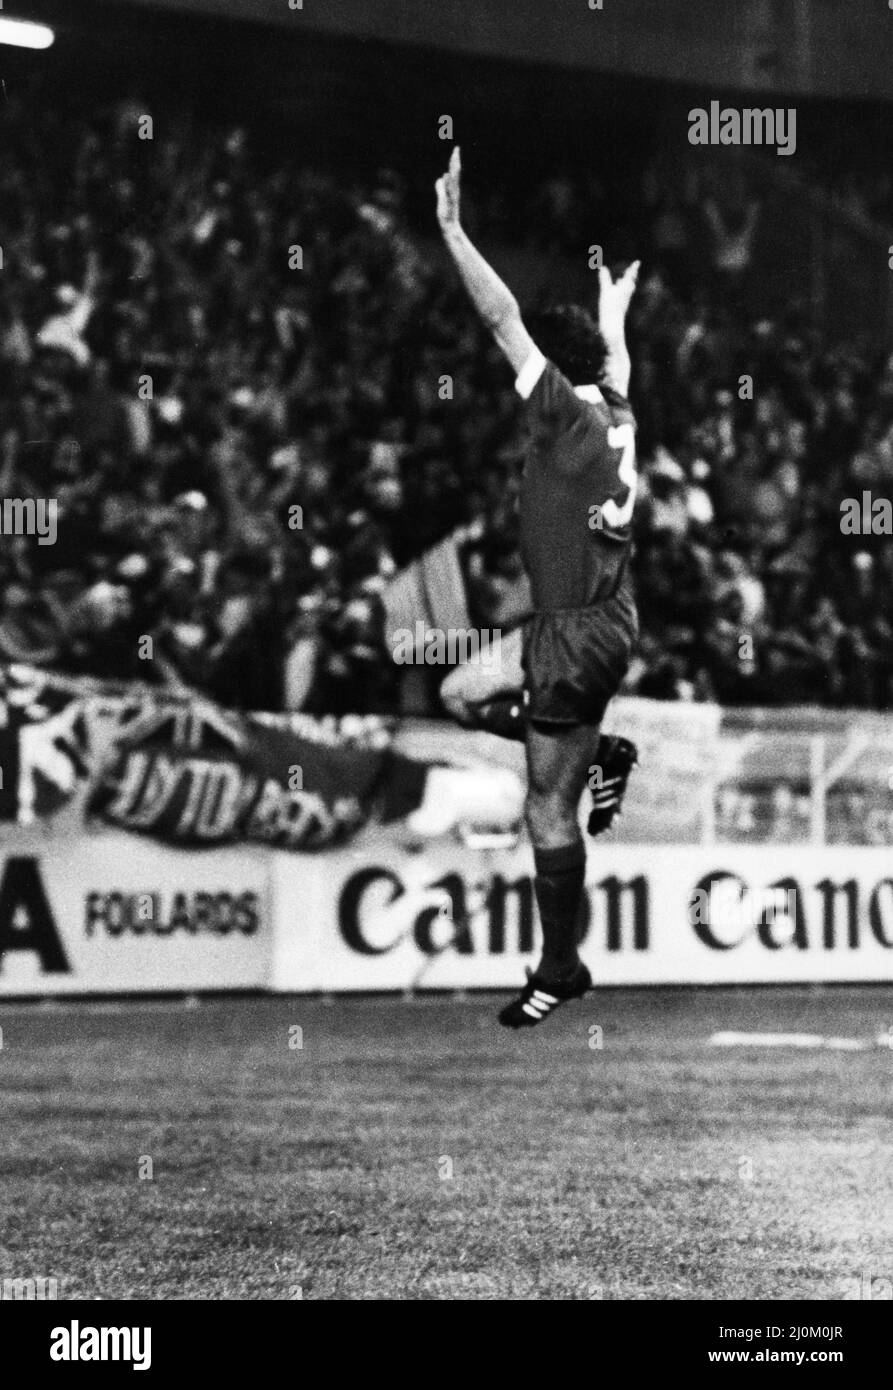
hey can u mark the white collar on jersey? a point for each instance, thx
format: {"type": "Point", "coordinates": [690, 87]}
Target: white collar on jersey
{"type": "Point", "coordinates": [589, 393]}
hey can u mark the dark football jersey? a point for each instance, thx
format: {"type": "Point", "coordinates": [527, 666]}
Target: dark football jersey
{"type": "Point", "coordinates": [577, 492]}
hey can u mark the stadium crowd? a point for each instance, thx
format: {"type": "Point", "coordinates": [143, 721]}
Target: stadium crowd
{"type": "Point", "coordinates": [227, 371]}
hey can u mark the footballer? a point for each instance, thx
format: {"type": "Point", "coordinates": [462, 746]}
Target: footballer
{"type": "Point", "coordinates": [555, 675]}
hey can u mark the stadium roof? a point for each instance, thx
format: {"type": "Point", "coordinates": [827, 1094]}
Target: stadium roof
{"type": "Point", "coordinates": [808, 46]}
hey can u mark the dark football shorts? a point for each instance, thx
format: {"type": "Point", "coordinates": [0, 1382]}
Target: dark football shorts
{"type": "Point", "coordinates": [575, 659]}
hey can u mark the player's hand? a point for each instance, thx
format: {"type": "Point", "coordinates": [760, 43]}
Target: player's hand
{"type": "Point", "coordinates": [448, 193]}
{"type": "Point", "coordinates": [615, 297]}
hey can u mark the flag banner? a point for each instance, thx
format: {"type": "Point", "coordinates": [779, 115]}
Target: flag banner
{"type": "Point", "coordinates": [179, 769]}
{"type": "Point", "coordinates": [43, 745]}
{"type": "Point", "coordinates": [194, 775]}
{"type": "Point", "coordinates": [429, 593]}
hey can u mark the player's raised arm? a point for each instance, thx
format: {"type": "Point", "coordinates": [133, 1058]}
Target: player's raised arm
{"type": "Point", "coordinates": [494, 301]}
{"type": "Point", "coordinates": [614, 301]}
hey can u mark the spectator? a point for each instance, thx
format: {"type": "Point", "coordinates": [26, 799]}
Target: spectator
{"type": "Point", "coordinates": [242, 455]}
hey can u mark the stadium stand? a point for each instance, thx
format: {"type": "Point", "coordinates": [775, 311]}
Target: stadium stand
{"type": "Point", "coordinates": [244, 455]}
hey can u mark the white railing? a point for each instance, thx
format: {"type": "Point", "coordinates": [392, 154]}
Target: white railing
{"type": "Point", "coordinates": [800, 788]}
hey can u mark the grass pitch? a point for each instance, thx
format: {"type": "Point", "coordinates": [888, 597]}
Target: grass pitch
{"type": "Point", "coordinates": [411, 1150]}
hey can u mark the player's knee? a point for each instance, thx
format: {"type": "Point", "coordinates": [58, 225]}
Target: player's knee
{"type": "Point", "coordinates": [551, 820]}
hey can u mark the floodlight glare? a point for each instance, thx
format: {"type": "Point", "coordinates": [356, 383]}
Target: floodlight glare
{"type": "Point", "coordinates": [21, 33]}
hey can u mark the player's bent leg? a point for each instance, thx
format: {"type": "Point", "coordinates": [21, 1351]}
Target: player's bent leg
{"type": "Point", "coordinates": [486, 692]}
{"type": "Point", "coordinates": [558, 759]}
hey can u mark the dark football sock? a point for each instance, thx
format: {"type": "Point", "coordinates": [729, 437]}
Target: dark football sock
{"type": "Point", "coordinates": [504, 715]}
{"type": "Point", "coordinates": [559, 884]}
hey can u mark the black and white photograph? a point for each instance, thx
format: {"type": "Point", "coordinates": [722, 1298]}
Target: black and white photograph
{"type": "Point", "coordinates": [446, 668]}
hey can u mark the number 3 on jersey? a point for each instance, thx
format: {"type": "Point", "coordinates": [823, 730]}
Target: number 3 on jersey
{"type": "Point", "coordinates": [623, 437]}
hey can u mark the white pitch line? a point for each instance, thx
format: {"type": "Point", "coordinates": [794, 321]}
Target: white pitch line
{"type": "Point", "coordinates": [801, 1040]}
